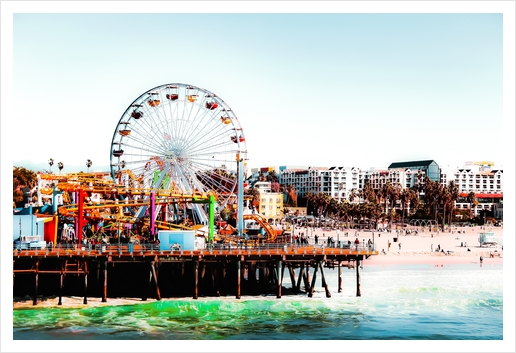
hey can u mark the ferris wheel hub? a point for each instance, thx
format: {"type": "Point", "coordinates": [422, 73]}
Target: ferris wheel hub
{"type": "Point", "coordinates": [170, 156]}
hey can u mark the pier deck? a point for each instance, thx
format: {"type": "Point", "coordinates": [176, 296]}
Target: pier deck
{"type": "Point", "coordinates": [208, 272]}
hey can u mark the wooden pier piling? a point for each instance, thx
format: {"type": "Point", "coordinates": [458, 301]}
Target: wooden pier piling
{"type": "Point", "coordinates": [359, 294]}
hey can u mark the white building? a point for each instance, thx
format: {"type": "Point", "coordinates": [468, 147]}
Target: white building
{"type": "Point", "coordinates": [303, 180]}
{"type": "Point", "coordinates": [339, 182]}
{"type": "Point", "coordinates": [484, 179]}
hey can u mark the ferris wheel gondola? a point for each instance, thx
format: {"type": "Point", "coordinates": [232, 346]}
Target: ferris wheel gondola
{"type": "Point", "coordinates": [180, 137]}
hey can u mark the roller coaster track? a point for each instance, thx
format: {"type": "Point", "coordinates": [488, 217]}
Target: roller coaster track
{"type": "Point", "coordinates": [271, 232]}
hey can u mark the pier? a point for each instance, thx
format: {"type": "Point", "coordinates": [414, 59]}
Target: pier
{"type": "Point", "coordinates": [145, 271]}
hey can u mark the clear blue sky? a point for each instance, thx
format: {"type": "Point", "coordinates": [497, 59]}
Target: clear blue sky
{"type": "Point", "coordinates": [309, 89]}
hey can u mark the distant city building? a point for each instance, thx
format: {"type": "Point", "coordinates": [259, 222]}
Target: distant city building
{"type": "Point", "coordinates": [429, 167]}
{"type": "Point", "coordinates": [339, 182]}
{"type": "Point", "coordinates": [405, 177]}
{"type": "Point", "coordinates": [482, 178]}
{"type": "Point", "coordinates": [303, 180]}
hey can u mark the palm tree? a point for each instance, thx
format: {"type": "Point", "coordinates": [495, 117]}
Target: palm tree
{"type": "Point", "coordinates": [353, 195]}
{"type": "Point", "coordinates": [60, 165]}
{"type": "Point", "coordinates": [404, 198]}
{"type": "Point", "coordinates": [385, 192]}
{"type": "Point", "coordinates": [272, 176]}
{"type": "Point", "coordinates": [367, 193]}
{"type": "Point", "coordinates": [51, 163]}
{"type": "Point", "coordinates": [451, 195]}
{"type": "Point", "coordinates": [291, 195]}
{"type": "Point", "coordinates": [414, 201]}
{"type": "Point", "coordinates": [340, 188]}
{"type": "Point", "coordinates": [88, 164]}
{"type": "Point", "coordinates": [375, 212]}
{"type": "Point", "coordinates": [394, 195]}
{"type": "Point", "coordinates": [473, 202]}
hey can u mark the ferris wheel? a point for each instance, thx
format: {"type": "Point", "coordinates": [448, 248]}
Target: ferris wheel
{"type": "Point", "coordinates": [179, 137]}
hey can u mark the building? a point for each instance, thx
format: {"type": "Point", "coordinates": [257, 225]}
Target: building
{"type": "Point", "coordinates": [305, 181]}
{"type": "Point", "coordinates": [429, 167]}
{"type": "Point", "coordinates": [405, 177]}
{"type": "Point", "coordinates": [483, 179]}
{"type": "Point", "coordinates": [339, 182]}
{"type": "Point", "coordinates": [271, 203]}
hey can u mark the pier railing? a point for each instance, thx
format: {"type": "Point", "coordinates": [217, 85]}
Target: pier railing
{"type": "Point", "coordinates": [63, 249]}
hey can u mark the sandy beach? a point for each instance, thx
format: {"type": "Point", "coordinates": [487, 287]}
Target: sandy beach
{"type": "Point", "coordinates": [461, 246]}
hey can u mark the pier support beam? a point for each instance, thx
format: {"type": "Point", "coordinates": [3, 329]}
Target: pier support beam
{"type": "Point", "coordinates": [307, 278]}
{"type": "Point", "coordinates": [155, 277]}
{"type": "Point", "coordinates": [238, 278]}
{"type": "Point", "coordinates": [214, 280]}
{"type": "Point", "coordinates": [301, 277]}
{"type": "Point", "coordinates": [280, 277]}
{"type": "Point", "coordinates": [325, 284]}
{"type": "Point", "coordinates": [196, 279]}
{"type": "Point", "coordinates": [293, 279]}
{"type": "Point", "coordinates": [85, 268]}
{"type": "Point", "coordinates": [104, 290]}
{"type": "Point", "coordinates": [35, 300]}
{"type": "Point", "coordinates": [311, 292]}
{"type": "Point", "coordinates": [61, 275]}
{"type": "Point", "coordinates": [359, 294]}
{"type": "Point", "coordinates": [340, 278]}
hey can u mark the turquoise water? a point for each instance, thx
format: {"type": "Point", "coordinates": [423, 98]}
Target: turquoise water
{"type": "Point", "coordinates": [461, 302]}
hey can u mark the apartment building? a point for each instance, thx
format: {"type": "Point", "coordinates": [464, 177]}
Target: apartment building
{"type": "Point", "coordinates": [404, 177]}
{"type": "Point", "coordinates": [305, 181]}
{"type": "Point", "coordinates": [339, 182]}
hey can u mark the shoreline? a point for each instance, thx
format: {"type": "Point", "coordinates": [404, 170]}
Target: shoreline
{"type": "Point", "coordinates": [415, 258]}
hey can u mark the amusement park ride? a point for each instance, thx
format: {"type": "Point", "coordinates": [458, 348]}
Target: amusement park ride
{"type": "Point", "coordinates": [177, 159]}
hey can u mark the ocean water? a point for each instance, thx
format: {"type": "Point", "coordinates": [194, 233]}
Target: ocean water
{"type": "Point", "coordinates": [417, 302]}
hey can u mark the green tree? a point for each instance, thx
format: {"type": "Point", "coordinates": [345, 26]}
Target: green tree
{"type": "Point", "coordinates": [22, 178]}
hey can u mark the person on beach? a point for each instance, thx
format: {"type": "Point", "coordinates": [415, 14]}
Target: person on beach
{"type": "Point", "coordinates": [431, 247]}
{"type": "Point", "coordinates": [316, 238]}
{"type": "Point", "coordinates": [399, 246]}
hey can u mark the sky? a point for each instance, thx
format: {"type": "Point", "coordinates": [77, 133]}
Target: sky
{"type": "Point", "coordinates": [353, 84]}
{"type": "Point", "coordinates": [309, 89]}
